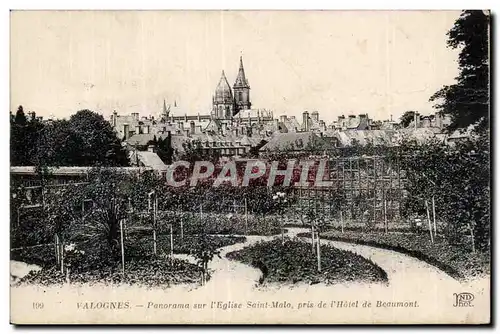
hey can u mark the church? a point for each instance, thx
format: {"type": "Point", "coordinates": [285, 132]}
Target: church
{"type": "Point", "coordinates": [226, 103]}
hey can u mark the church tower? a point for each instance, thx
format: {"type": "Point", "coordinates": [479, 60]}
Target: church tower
{"type": "Point", "coordinates": [222, 101]}
{"type": "Point", "coordinates": [241, 90]}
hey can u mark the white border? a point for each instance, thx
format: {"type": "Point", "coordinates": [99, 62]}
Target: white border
{"type": "Point", "coordinates": [188, 4]}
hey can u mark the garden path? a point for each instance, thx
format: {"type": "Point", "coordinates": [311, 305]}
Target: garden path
{"type": "Point", "coordinates": [400, 268]}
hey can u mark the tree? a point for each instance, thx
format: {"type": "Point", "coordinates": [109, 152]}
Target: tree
{"type": "Point", "coordinates": [24, 135]}
{"type": "Point", "coordinates": [99, 145]}
{"type": "Point", "coordinates": [20, 117]}
{"type": "Point", "coordinates": [407, 118]}
{"type": "Point", "coordinates": [56, 145]}
{"type": "Point", "coordinates": [467, 101]}
{"type": "Point", "coordinates": [91, 212]}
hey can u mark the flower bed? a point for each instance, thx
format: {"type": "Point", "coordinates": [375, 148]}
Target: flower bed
{"type": "Point", "coordinates": [456, 261]}
{"type": "Point", "coordinates": [294, 262]}
{"type": "Point", "coordinates": [150, 272]}
{"type": "Point", "coordinates": [140, 245]}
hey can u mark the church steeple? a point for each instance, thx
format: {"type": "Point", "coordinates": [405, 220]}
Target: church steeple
{"type": "Point", "coordinates": [241, 90]}
{"type": "Point", "coordinates": [166, 110]}
{"type": "Point", "coordinates": [241, 80]}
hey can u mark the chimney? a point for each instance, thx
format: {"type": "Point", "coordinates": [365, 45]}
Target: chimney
{"type": "Point", "coordinates": [185, 118]}
{"type": "Point", "coordinates": [113, 118]}
{"type": "Point", "coordinates": [322, 125]}
{"type": "Point", "coordinates": [315, 116]}
{"type": "Point", "coordinates": [305, 121]}
{"type": "Point", "coordinates": [283, 118]}
{"type": "Point", "coordinates": [126, 131]}
{"type": "Point", "coordinates": [438, 120]}
{"type": "Point", "coordinates": [192, 127]}
{"type": "Point", "coordinates": [199, 118]}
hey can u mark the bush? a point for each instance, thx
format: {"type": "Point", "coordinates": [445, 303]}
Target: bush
{"type": "Point", "coordinates": [150, 272]}
{"type": "Point", "coordinates": [294, 262]}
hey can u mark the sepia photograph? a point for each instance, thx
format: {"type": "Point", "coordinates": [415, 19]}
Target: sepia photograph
{"type": "Point", "coordinates": [250, 167]}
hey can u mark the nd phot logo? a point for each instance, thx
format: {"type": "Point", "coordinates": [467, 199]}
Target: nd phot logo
{"type": "Point", "coordinates": [463, 299]}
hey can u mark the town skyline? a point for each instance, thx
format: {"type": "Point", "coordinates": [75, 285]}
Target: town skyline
{"type": "Point", "coordinates": [132, 61]}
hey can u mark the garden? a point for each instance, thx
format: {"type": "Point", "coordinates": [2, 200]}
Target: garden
{"type": "Point", "coordinates": [293, 261]}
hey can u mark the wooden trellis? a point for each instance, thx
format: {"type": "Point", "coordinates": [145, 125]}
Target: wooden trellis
{"type": "Point", "coordinates": [364, 191]}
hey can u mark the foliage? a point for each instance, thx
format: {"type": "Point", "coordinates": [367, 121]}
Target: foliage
{"type": "Point", "coordinates": [407, 118]}
{"type": "Point", "coordinates": [294, 262]}
{"type": "Point", "coordinates": [86, 139]}
{"type": "Point", "coordinates": [163, 148]}
{"type": "Point", "coordinates": [458, 178]}
{"type": "Point", "coordinates": [148, 272]}
{"type": "Point", "coordinates": [467, 101]}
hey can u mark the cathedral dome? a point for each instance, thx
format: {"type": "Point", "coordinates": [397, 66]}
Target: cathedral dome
{"type": "Point", "coordinates": [223, 93]}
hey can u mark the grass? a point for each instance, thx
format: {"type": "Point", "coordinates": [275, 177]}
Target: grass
{"type": "Point", "coordinates": [456, 261]}
{"type": "Point", "coordinates": [294, 262]}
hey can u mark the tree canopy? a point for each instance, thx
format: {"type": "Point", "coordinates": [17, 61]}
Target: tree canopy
{"type": "Point", "coordinates": [86, 139]}
{"type": "Point", "coordinates": [467, 101]}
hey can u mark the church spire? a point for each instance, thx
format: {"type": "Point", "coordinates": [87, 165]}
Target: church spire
{"type": "Point", "coordinates": [165, 109]}
{"type": "Point", "coordinates": [241, 80]}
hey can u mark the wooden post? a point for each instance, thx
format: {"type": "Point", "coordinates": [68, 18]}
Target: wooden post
{"type": "Point", "coordinates": [429, 220]}
{"type": "Point", "coordinates": [201, 212]}
{"type": "Point", "coordinates": [385, 217]}
{"type": "Point", "coordinates": [155, 219]}
{"type": "Point", "coordinates": [171, 241]}
{"type": "Point", "coordinates": [341, 220]}
{"type": "Point", "coordinates": [56, 244]}
{"type": "Point", "coordinates": [62, 257]}
{"type": "Point", "coordinates": [182, 231]}
{"type": "Point", "coordinates": [318, 251]}
{"type": "Point", "coordinates": [122, 247]}
{"type": "Point", "coordinates": [246, 217]}
{"type": "Point", "coordinates": [312, 238]}
{"type": "Point", "coordinates": [434, 215]}
{"type": "Point", "coordinates": [282, 233]}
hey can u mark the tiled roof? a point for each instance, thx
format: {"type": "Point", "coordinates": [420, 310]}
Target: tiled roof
{"type": "Point", "coordinates": [296, 141]}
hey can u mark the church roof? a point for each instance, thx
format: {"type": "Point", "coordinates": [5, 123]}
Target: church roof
{"type": "Point", "coordinates": [241, 80]}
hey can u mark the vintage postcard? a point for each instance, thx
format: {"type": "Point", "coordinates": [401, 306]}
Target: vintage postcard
{"type": "Point", "coordinates": [250, 167]}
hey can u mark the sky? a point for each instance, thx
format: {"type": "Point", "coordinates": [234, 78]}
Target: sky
{"type": "Point", "coordinates": [336, 62]}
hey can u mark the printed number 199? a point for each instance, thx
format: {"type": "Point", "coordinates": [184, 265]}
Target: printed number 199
{"type": "Point", "coordinates": [37, 305]}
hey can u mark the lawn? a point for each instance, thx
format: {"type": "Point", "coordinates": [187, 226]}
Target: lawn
{"type": "Point", "coordinates": [456, 261]}
{"type": "Point", "coordinates": [294, 262]}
